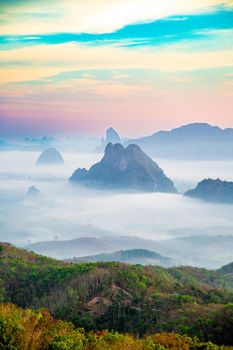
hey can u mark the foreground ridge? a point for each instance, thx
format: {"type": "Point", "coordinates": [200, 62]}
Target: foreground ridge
{"type": "Point", "coordinates": [131, 299]}
{"type": "Point", "coordinates": [27, 329]}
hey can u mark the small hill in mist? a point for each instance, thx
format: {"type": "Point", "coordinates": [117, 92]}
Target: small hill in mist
{"type": "Point", "coordinates": [50, 157]}
{"type": "Point", "coordinates": [132, 256]}
{"type": "Point", "coordinates": [32, 192]}
{"type": "Point", "coordinates": [213, 191]}
{"type": "Point", "coordinates": [191, 141]}
{"type": "Point", "coordinates": [125, 168]}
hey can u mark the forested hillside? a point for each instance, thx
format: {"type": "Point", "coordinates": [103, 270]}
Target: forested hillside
{"type": "Point", "coordinates": [37, 330]}
{"type": "Point", "coordinates": [126, 298]}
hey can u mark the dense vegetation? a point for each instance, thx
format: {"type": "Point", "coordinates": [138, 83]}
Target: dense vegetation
{"type": "Point", "coordinates": [37, 330]}
{"type": "Point", "coordinates": [127, 298]}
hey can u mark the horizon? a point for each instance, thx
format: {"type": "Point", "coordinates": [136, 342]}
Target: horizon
{"type": "Point", "coordinates": [99, 136]}
{"type": "Point", "coordinates": [81, 66]}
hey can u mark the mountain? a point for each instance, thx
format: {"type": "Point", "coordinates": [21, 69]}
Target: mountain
{"type": "Point", "coordinates": [111, 137]}
{"type": "Point", "coordinates": [213, 191]}
{"type": "Point", "coordinates": [192, 141]}
{"type": "Point", "coordinates": [127, 298]}
{"type": "Point", "coordinates": [32, 192]}
{"type": "Point", "coordinates": [132, 256]}
{"type": "Point", "coordinates": [125, 168]}
{"type": "Point", "coordinates": [50, 157]}
{"type": "Point", "coordinates": [83, 246]}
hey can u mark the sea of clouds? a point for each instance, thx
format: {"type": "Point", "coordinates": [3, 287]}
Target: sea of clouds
{"type": "Point", "coordinates": [63, 211]}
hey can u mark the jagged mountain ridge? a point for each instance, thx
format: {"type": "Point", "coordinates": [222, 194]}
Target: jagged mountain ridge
{"type": "Point", "coordinates": [125, 168]}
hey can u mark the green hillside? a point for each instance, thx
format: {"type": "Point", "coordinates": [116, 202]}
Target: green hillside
{"type": "Point", "coordinates": [127, 298]}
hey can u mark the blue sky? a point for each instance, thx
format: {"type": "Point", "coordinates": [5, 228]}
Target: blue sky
{"type": "Point", "coordinates": [159, 32]}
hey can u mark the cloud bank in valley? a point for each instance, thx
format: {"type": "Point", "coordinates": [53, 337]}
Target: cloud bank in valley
{"type": "Point", "coordinates": [65, 212]}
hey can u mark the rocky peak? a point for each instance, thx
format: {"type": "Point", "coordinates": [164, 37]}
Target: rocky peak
{"type": "Point", "coordinates": [112, 136]}
{"type": "Point", "coordinates": [125, 168]}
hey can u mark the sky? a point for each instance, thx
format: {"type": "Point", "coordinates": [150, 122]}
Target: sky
{"type": "Point", "coordinates": [80, 66]}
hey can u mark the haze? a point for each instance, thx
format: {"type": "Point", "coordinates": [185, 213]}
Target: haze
{"type": "Point", "coordinates": [64, 212]}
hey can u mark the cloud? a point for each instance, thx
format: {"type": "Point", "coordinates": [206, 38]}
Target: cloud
{"type": "Point", "coordinates": [158, 32]}
{"type": "Point", "coordinates": [94, 16]}
{"type": "Point", "coordinates": [65, 212]}
{"type": "Point", "coordinates": [78, 57]}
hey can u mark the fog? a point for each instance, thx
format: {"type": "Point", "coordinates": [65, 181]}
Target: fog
{"type": "Point", "coordinates": [63, 211]}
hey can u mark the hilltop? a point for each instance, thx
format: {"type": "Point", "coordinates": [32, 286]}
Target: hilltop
{"type": "Point", "coordinates": [131, 256]}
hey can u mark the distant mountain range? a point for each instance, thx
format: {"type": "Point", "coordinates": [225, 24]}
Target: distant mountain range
{"type": "Point", "coordinates": [124, 168]}
{"type": "Point", "coordinates": [191, 141]}
{"type": "Point", "coordinates": [210, 251]}
{"type": "Point", "coordinates": [132, 256]}
{"type": "Point", "coordinates": [84, 246]}
{"type": "Point", "coordinates": [28, 143]}
{"type": "Point", "coordinates": [195, 141]}
{"type": "Point", "coordinates": [213, 191]}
